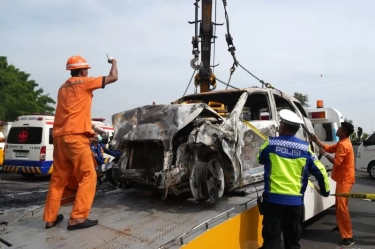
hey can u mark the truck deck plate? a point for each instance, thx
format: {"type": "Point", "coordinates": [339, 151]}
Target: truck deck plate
{"type": "Point", "coordinates": [127, 219]}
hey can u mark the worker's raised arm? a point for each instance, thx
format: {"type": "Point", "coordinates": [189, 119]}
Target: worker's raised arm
{"type": "Point", "coordinates": [99, 130]}
{"type": "Point", "coordinates": [113, 73]}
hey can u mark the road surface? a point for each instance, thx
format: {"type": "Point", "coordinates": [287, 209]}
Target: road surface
{"type": "Point", "coordinates": [362, 212]}
{"type": "Point", "coordinates": [18, 193]}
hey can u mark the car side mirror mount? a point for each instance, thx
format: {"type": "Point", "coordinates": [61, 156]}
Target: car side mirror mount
{"type": "Point", "coordinates": [359, 132]}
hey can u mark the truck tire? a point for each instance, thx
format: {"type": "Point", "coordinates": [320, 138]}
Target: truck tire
{"type": "Point", "coordinates": [371, 170]}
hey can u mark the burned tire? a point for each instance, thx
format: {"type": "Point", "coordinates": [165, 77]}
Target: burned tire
{"type": "Point", "coordinates": [371, 170]}
{"type": "Point", "coordinates": [111, 179]}
{"type": "Point", "coordinates": [207, 180]}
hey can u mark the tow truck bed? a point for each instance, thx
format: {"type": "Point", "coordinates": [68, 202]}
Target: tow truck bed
{"type": "Point", "coordinates": [127, 219]}
{"type": "Point", "coordinates": [138, 219]}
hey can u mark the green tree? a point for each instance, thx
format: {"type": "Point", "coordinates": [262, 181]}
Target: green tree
{"type": "Point", "coordinates": [19, 95]}
{"type": "Point", "coordinates": [353, 137]}
{"type": "Point", "coordinates": [302, 98]}
{"type": "Point", "coordinates": [364, 136]}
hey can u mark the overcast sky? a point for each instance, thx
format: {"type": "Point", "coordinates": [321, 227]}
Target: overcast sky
{"type": "Point", "coordinates": [287, 43]}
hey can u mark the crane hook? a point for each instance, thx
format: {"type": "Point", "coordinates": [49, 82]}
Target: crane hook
{"type": "Point", "coordinates": [194, 65]}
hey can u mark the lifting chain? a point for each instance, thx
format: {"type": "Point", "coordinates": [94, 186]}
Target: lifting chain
{"type": "Point", "coordinates": [232, 69]}
{"type": "Point", "coordinates": [229, 38]}
{"type": "Point", "coordinates": [192, 76]}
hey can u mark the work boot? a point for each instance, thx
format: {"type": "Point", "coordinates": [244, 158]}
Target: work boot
{"type": "Point", "coordinates": [87, 223]}
{"type": "Point", "coordinates": [335, 229]}
{"type": "Point", "coordinates": [347, 242]}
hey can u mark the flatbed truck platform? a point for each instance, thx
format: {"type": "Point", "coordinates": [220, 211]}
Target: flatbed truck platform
{"type": "Point", "coordinates": [139, 219]}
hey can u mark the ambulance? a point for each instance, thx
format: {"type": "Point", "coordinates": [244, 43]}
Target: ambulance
{"type": "Point", "coordinates": [365, 160]}
{"type": "Point", "coordinates": [326, 122]}
{"type": "Point", "coordinates": [29, 144]}
{"type": "Point", "coordinates": [4, 129]}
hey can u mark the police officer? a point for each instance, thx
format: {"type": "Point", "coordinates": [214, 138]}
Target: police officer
{"type": "Point", "coordinates": [287, 161]}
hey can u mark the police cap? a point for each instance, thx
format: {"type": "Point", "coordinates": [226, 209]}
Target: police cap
{"type": "Point", "coordinates": [290, 118]}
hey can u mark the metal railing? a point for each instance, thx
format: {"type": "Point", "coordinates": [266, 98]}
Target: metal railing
{"type": "Point", "coordinates": [206, 224]}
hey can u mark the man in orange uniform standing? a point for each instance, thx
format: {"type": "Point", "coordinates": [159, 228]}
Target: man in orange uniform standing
{"type": "Point", "coordinates": [343, 173]}
{"type": "Point", "coordinates": [73, 166]}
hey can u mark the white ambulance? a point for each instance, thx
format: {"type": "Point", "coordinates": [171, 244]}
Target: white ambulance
{"type": "Point", "coordinates": [326, 122]}
{"type": "Point", "coordinates": [29, 145]}
{"type": "Point", "coordinates": [4, 130]}
{"type": "Point", "coordinates": [365, 160]}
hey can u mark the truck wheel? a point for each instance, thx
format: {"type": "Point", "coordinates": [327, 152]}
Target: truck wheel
{"type": "Point", "coordinates": [207, 180]}
{"type": "Point", "coordinates": [371, 170]}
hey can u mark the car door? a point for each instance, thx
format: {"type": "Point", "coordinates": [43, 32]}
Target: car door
{"type": "Point", "coordinates": [258, 122]}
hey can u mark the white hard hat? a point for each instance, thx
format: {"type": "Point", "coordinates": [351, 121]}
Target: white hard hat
{"type": "Point", "coordinates": [290, 117]}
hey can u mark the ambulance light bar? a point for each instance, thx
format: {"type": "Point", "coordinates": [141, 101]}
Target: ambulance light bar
{"type": "Point", "coordinates": [318, 115]}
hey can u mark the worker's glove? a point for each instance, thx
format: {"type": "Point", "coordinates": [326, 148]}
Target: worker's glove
{"type": "Point", "coordinates": [110, 59]}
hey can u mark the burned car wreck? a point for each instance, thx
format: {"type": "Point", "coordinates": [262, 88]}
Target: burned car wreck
{"type": "Point", "coordinates": [203, 143]}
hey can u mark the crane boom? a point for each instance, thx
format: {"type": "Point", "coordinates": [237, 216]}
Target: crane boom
{"type": "Point", "coordinates": [205, 78]}
{"type": "Point", "coordinates": [206, 36]}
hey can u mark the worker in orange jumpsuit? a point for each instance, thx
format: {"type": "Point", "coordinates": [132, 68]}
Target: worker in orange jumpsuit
{"type": "Point", "coordinates": [72, 186]}
{"type": "Point", "coordinates": [343, 173]}
{"type": "Point", "coordinates": [73, 165]}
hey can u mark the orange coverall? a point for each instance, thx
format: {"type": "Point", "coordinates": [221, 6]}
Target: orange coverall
{"type": "Point", "coordinates": [73, 165]}
{"type": "Point", "coordinates": [343, 173]}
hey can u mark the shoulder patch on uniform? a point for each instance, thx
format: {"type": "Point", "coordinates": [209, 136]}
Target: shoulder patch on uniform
{"type": "Point", "coordinates": [289, 144]}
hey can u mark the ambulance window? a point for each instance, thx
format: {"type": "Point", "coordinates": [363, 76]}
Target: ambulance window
{"type": "Point", "coordinates": [325, 132]}
{"type": "Point", "coordinates": [25, 135]}
{"type": "Point", "coordinates": [50, 138]}
{"type": "Point", "coordinates": [371, 139]}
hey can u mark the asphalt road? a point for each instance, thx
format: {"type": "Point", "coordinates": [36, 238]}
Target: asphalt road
{"type": "Point", "coordinates": [362, 212]}
{"type": "Point", "coordinates": [17, 192]}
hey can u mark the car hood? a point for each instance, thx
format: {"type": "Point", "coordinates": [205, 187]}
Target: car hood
{"type": "Point", "coordinates": [156, 122]}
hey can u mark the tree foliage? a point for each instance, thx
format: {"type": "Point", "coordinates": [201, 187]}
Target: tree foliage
{"type": "Point", "coordinates": [302, 98]}
{"type": "Point", "coordinates": [19, 95]}
{"type": "Point", "coordinates": [357, 140]}
{"type": "Point", "coordinates": [354, 137]}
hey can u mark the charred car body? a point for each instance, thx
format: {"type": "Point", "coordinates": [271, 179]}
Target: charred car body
{"type": "Point", "coordinates": [190, 146]}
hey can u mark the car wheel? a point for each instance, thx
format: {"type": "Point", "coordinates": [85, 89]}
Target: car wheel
{"type": "Point", "coordinates": [207, 180]}
{"type": "Point", "coordinates": [371, 170]}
